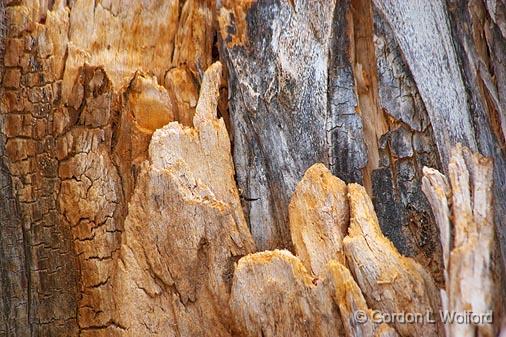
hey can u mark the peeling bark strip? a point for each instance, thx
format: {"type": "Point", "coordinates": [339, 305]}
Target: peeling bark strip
{"type": "Point", "coordinates": [467, 237]}
{"type": "Point", "coordinates": [134, 196]}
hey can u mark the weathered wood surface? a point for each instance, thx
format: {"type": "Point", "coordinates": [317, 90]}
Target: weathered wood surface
{"type": "Point", "coordinates": [183, 233]}
{"type": "Point", "coordinates": [318, 234]}
{"type": "Point", "coordinates": [458, 47]}
{"type": "Point", "coordinates": [279, 88]}
{"type": "Point", "coordinates": [319, 216]}
{"type": "Point", "coordinates": [373, 90]}
{"type": "Point", "coordinates": [467, 237]}
{"type": "Point", "coordinates": [379, 90]}
{"type": "Point", "coordinates": [391, 282]}
{"type": "Point", "coordinates": [350, 300]}
{"type": "Point", "coordinates": [420, 82]}
{"type": "Point", "coordinates": [288, 302]}
{"type": "Point", "coordinates": [408, 146]}
{"type": "Point", "coordinates": [325, 283]}
{"type": "Point", "coordinates": [481, 44]}
{"type": "Point", "coordinates": [73, 139]}
{"type": "Point", "coordinates": [423, 33]}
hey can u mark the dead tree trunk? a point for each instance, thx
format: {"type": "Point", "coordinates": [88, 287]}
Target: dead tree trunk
{"type": "Point", "coordinates": [157, 171]}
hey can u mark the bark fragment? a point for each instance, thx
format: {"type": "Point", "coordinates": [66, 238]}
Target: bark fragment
{"type": "Point", "coordinates": [390, 282]}
{"type": "Point", "coordinates": [288, 302]}
{"type": "Point", "coordinates": [184, 230]}
{"type": "Point", "coordinates": [319, 217]}
{"type": "Point", "coordinates": [467, 238]}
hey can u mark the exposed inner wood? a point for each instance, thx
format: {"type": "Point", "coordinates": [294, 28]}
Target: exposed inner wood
{"type": "Point", "coordinates": [364, 63]}
{"type": "Point", "coordinates": [469, 252]}
{"type": "Point", "coordinates": [251, 168]}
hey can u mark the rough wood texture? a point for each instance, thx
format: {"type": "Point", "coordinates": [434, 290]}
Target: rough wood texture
{"type": "Point", "coordinates": [40, 296]}
{"type": "Point", "coordinates": [73, 138]}
{"type": "Point", "coordinates": [108, 33]}
{"type": "Point", "coordinates": [437, 189]}
{"type": "Point", "coordinates": [120, 209]}
{"type": "Point", "coordinates": [377, 130]}
{"type": "Point", "coordinates": [350, 301]}
{"type": "Point", "coordinates": [481, 45]}
{"type": "Point", "coordinates": [468, 253]}
{"type": "Point", "coordinates": [174, 270]}
{"type": "Point", "coordinates": [279, 80]}
{"type": "Point", "coordinates": [292, 302]}
{"type": "Point", "coordinates": [423, 34]}
{"type": "Point", "coordinates": [319, 217]}
{"type": "Point", "coordinates": [469, 44]}
{"type": "Point", "coordinates": [390, 282]}
{"type": "Point", "coordinates": [403, 212]}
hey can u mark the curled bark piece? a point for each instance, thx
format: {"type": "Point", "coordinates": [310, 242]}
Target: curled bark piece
{"type": "Point", "coordinates": [469, 254]}
{"type": "Point", "coordinates": [274, 295]}
{"type": "Point", "coordinates": [390, 282]}
{"type": "Point", "coordinates": [319, 218]}
{"type": "Point", "coordinates": [436, 188]}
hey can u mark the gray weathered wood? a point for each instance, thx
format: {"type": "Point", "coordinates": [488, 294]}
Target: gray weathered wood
{"type": "Point", "coordinates": [278, 103]}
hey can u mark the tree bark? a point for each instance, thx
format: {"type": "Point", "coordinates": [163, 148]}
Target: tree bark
{"type": "Point", "coordinates": [468, 253]}
{"type": "Point", "coordinates": [159, 176]}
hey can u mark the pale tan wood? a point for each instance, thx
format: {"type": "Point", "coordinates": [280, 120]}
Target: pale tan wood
{"type": "Point", "coordinates": [183, 232]}
{"type": "Point", "coordinates": [274, 295]}
{"type": "Point", "coordinates": [351, 302]}
{"type": "Point", "coordinates": [319, 218]}
{"type": "Point", "coordinates": [389, 281]}
{"type": "Point", "coordinates": [470, 268]}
